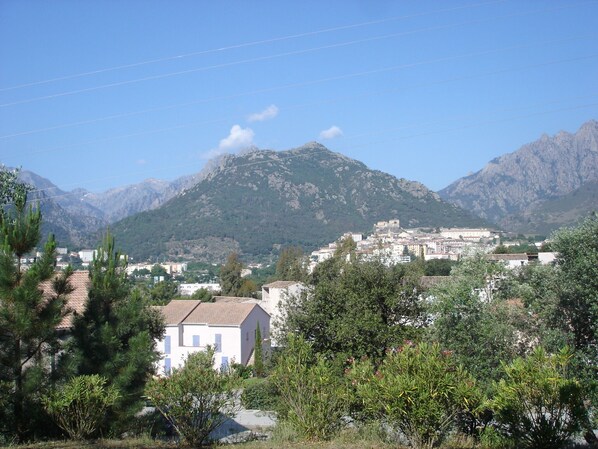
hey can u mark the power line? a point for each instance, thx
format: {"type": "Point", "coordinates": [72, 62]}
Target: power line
{"type": "Point", "coordinates": [223, 120]}
{"type": "Point", "coordinates": [270, 57]}
{"type": "Point", "coordinates": [248, 44]}
{"type": "Point", "coordinates": [323, 80]}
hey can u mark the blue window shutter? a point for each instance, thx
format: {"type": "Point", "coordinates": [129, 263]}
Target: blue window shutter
{"type": "Point", "coordinates": [218, 343]}
{"type": "Point", "coordinates": [167, 366]}
{"type": "Point", "coordinates": [196, 340]}
{"type": "Point", "coordinates": [224, 363]}
{"type": "Point", "coordinates": [167, 344]}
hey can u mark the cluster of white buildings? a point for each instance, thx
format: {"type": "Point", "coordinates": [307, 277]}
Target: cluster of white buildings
{"type": "Point", "coordinates": [172, 268]}
{"type": "Point", "coordinates": [397, 245]}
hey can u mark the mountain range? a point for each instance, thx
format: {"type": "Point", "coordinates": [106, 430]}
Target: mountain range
{"type": "Point", "coordinates": [544, 185]}
{"type": "Point", "coordinates": [260, 200]}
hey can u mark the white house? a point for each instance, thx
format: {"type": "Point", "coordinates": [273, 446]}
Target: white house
{"type": "Point", "coordinates": [189, 289]}
{"type": "Point", "coordinates": [228, 327]}
{"type": "Point", "coordinates": [272, 295]}
{"type": "Point", "coordinates": [511, 260]}
{"type": "Point", "coordinates": [87, 255]}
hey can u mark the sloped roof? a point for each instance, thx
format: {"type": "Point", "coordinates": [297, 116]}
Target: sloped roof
{"type": "Point", "coordinates": [280, 284]}
{"type": "Point", "coordinates": [177, 310]}
{"type": "Point", "coordinates": [518, 256]}
{"type": "Point", "coordinates": [234, 299]}
{"type": "Point", "coordinates": [224, 314]}
{"type": "Point", "coordinates": [76, 300]}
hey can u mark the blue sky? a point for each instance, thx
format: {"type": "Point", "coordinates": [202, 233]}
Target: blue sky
{"type": "Point", "coordinates": [107, 93]}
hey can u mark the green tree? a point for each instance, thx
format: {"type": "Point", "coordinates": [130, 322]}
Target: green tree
{"type": "Point", "coordinates": [248, 288]}
{"type": "Point", "coordinates": [79, 406]}
{"type": "Point", "coordinates": [230, 275]}
{"type": "Point", "coordinates": [203, 294]}
{"type": "Point", "coordinates": [538, 404]}
{"type": "Point", "coordinates": [356, 309]}
{"type": "Point", "coordinates": [159, 271]}
{"type": "Point", "coordinates": [116, 334]}
{"type": "Point", "coordinates": [577, 308]}
{"type": "Point", "coordinates": [28, 317]}
{"type": "Point", "coordinates": [472, 319]}
{"type": "Point", "coordinates": [162, 293]}
{"type": "Point", "coordinates": [438, 267]}
{"type": "Point", "coordinates": [418, 389]}
{"type": "Point", "coordinates": [258, 353]}
{"type": "Point", "coordinates": [313, 395]}
{"type": "Point", "coordinates": [195, 399]}
{"type": "Point", "coordinates": [291, 265]}
{"type": "Point", "coordinates": [578, 277]}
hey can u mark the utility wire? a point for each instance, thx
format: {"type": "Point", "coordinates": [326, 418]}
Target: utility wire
{"type": "Point", "coordinates": [249, 44]}
{"type": "Point", "coordinates": [311, 104]}
{"type": "Point", "coordinates": [320, 81]}
{"type": "Point", "coordinates": [268, 57]}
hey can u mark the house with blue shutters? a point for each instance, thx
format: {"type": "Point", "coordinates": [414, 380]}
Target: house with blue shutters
{"type": "Point", "coordinates": [229, 328]}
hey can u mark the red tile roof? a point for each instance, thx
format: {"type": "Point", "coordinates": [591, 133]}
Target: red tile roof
{"type": "Point", "coordinates": [224, 314]}
{"type": "Point", "coordinates": [76, 300]}
{"type": "Point", "coordinates": [177, 310]}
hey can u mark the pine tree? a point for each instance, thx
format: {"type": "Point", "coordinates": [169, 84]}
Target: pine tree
{"type": "Point", "coordinates": [115, 336]}
{"type": "Point", "coordinates": [230, 276]}
{"type": "Point", "coordinates": [258, 353]}
{"type": "Point", "coordinates": [28, 317]}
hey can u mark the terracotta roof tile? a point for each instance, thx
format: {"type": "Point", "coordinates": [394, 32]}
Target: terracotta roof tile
{"type": "Point", "coordinates": [76, 300]}
{"type": "Point", "coordinates": [519, 256]}
{"type": "Point", "coordinates": [224, 314]}
{"type": "Point", "coordinates": [177, 310]}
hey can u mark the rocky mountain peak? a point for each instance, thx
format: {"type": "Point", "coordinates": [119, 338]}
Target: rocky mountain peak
{"type": "Point", "coordinates": [539, 171]}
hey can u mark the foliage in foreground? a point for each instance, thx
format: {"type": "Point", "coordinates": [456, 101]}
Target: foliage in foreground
{"type": "Point", "coordinates": [78, 407]}
{"type": "Point", "coordinates": [116, 336]}
{"type": "Point", "coordinates": [195, 399]}
{"type": "Point", "coordinates": [312, 394]}
{"type": "Point", "coordinates": [538, 404]}
{"type": "Point", "coordinates": [28, 317]}
{"type": "Point", "coordinates": [418, 389]}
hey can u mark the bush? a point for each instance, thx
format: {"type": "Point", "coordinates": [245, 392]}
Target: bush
{"type": "Point", "coordinates": [417, 390]}
{"type": "Point", "coordinates": [538, 404]}
{"type": "Point", "coordinates": [195, 399]}
{"type": "Point", "coordinates": [79, 406]}
{"type": "Point", "coordinates": [260, 395]}
{"type": "Point", "coordinates": [312, 395]}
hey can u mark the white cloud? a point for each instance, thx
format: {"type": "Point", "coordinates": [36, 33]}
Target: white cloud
{"type": "Point", "coordinates": [331, 133]}
{"type": "Point", "coordinates": [268, 113]}
{"type": "Point", "coordinates": [237, 139]}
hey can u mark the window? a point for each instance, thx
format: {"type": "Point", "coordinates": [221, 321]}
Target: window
{"type": "Point", "coordinates": [196, 340]}
{"type": "Point", "coordinates": [167, 365]}
{"type": "Point", "coordinates": [224, 363]}
{"type": "Point", "coordinates": [167, 345]}
{"type": "Point", "coordinates": [218, 343]}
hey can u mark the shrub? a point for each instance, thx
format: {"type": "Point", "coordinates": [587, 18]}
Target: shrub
{"type": "Point", "coordinates": [312, 394]}
{"type": "Point", "coordinates": [79, 406]}
{"type": "Point", "coordinates": [195, 399]}
{"type": "Point", "coordinates": [538, 404]}
{"type": "Point", "coordinates": [418, 390]}
{"type": "Point", "coordinates": [260, 395]}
